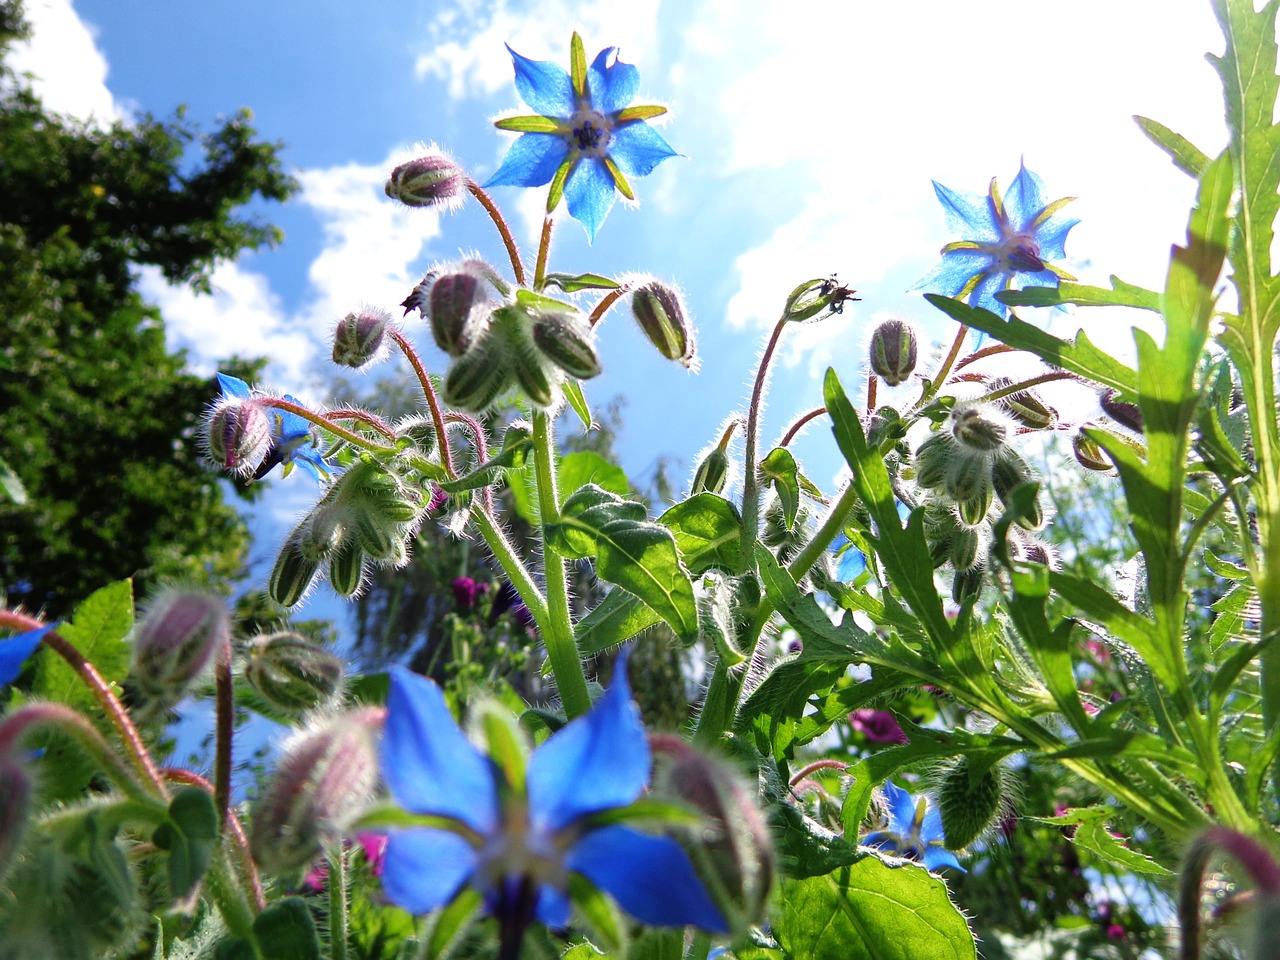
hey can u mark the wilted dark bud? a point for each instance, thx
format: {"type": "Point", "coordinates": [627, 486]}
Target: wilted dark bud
{"type": "Point", "coordinates": [931, 460]}
{"type": "Point", "coordinates": [293, 572]}
{"type": "Point", "coordinates": [734, 854]}
{"type": "Point", "coordinates": [238, 435]}
{"type": "Point", "coordinates": [660, 312]}
{"type": "Point", "coordinates": [428, 181]}
{"type": "Point", "coordinates": [477, 378]}
{"type": "Point", "coordinates": [1007, 471]}
{"type": "Point", "coordinates": [567, 341]}
{"type": "Point", "coordinates": [968, 477]}
{"type": "Point", "coordinates": [17, 793]}
{"type": "Point", "coordinates": [815, 299]}
{"type": "Point", "coordinates": [893, 352]}
{"type": "Point", "coordinates": [1089, 455]}
{"type": "Point", "coordinates": [1025, 406]}
{"type": "Point", "coordinates": [969, 802]}
{"type": "Point", "coordinates": [358, 337]}
{"type": "Point", "coordinates": [978, 427]}
{"type": "Point", "coordinates": [175, 641]}
{"type": "Point", "coordinates": [456, 308]}
{"type": "Point", "coordinates": [712, 473]}
{"type": "Point", "coordinates": [324, 777]}
{"type": "Point", "coordinates": [1124, 413]}
{"type": "Point", "coordinates": [968, 583]}
{"type": "Point", "coordinates": [291, 673]}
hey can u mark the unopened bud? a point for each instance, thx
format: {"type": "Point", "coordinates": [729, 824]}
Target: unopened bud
{"type": "Point", "coordinates": [968, 583]}
{"type": "Point", "coordinates": [966, 548]}
{"type": "Point", "coordinates": [1124, 413]}
{"type": "Point", "coordinates": [430, 180]}
{"type": "Point", "coordinates": [358, 337]}
{"type": "Point", "coordinates": [568, 342]}
{"type": "Point", "coordinates": [324, 777]}
{"type": "Point", "coordinates": [975, 509]}
{"type": "Point", "coordinates": [660, 312]}
{"type": "Point", "coordinates": [931, 460]}
{"type": "Point", "coordinates": [968, 477]}
{"type": "Point", "coordinates": [712, 473]}
{"type": "Point", "coordinates": [17, 794]}
{"type": "Point", "coordinates": [815, 299]}
{"type": "Point", "coordinates": [456, 309]}
{"type": "Point", "coordinates": [238, 435]}
{"type": "Point", "coordinates": [893, 352]}
{"type": "Point", "coordinates": [1007, 471]}
{"type": "Point", "coordinates": [291, 673]}
{"type": "Point", "coordinates": [346, 567]}
{"type": "Point", "coordinates": [476, 379]}
{"type": "Point", "coordinates": [175, 641]}
{"type": "Point", "coordinates": [293, 572]}
{"type": "Point", "coordinates": [1025, 406]}
{"type": "Point", "coordinates": [978, 427]}
{"type": "Point", "coordinates": [536, 382]}
{"type": "Point", "coordinates": [1089, 455]}
{"type": "Point", "coordinates": [969, 803]}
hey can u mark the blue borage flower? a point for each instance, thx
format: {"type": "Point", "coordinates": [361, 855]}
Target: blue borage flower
{"type": "Point", "coordinates": [15, 650]}
{"type": "Point", "coordinates": [291, 438]}
{"type": "Point", "coordinates": [914, 831]}
{"type": "Point", "coordinates": [519, 839]}
{"type": "Point", "coordinates": [1006, 243]}
{"type": "Point", "coordinates": [586, 139]}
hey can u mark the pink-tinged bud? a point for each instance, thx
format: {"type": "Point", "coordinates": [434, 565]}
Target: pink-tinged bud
{"type": "Point", "coordinates": [325, 775]}
{"type": "Point", "coordinates": [429, 181]}
{"type": "Point", "coordinates": [893, 352]}
{"type": "Point", "coordinates": [176, 640]}
{"type": "Point", "coordinates": [359, 337]}
{"type": "Point", "coordinates": [293, 674]}
{"type": "Point", "coordinates": [17, 793]}
{"type": "Point", "coordinates": [456, 309]}
{"type": "Point", "coordinates": [660, 312]}
{"type": "Point", "coordinates": [238, 435]}
{"type": "Point", "coordinates": [1089, 455]}
{"type": "Point", "coordinates": [1124, 413]}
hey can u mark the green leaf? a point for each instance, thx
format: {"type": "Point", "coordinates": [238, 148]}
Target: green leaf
{"type": "Point", "coordinates": [11, 487]}
{"type": "Point", "coordinates": [573, 472]}
{"type": "Point", "coordinates": [780, 471]}
{"type": "Point", "coordinates": [1050, 648]}
{"type": "Point", "coordinates": [586, 511]}
{"type": "Point", "coordinates": [528, 124]}
{"type": "Point", "coordinates": [1186, 156]}
{"type": "Point", "coordinates": [573, 282]}
{"type": "Point", "coordinates": [1229, 624]}
{"type": "Point", "coordinates": [286, 931]}
{"type": "Point", "coordinates": [708, 532]}
{"type": "Point", "coordinates": [190, 834]}
{"type": "Point", "coordinates": [1079, 355]}
{"type": "Point", "coordinates": [618, 617]}
{"type": "Point", "coordinates": [871, 911]}
{"type": "Point", "coordinates": [516, 446]}
{"type": "Point", "coordinates": [642, 558]}
{"type": "Point", "coordinates": [1121, 294]}
{"type": "Point", "coordinates": [578, 401]}
{"type": "Point", "coordinates": [1092, 834]}
{"type": "Point", "coordinates": [97, 629]}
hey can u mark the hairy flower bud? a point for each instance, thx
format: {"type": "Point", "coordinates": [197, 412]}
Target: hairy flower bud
{"type": "Point", "coordinates": [347, 567]}
{"type": "Point", "coordinates": [1089, 455]}
{"type": "Point", "coordinates": [358, 338]}
{"type": "Point", "coordinates": [966, 548]}
{"type": "Point", "coordinates": [893, 352]}
{"type": "Point", "coordinates": [968, 583]}
{"type": "Point", "coordinates": [177, 638]}
{"type": "Point", "coordinates": [292, 673]}
{"type": "Point", "coordinates": [1124, 413]}
{"type": "Point", "coordinates": [476, 379]}
{"type": "Point", "coordinates": [325, 774]}
{"type": "Point", "coordinates": [969, 801]}
{"type": "Point", "coordinates": [1025, 406]}
{"type": "Point", "coordinates": [978, 427]}
{"type": "Point", "coordinates": [293, 572]}
{"type": "Point", "coordinates": [428, 181]}
{"type": "Point", "coordinates": [567, 341]}
{"type": "Point", "coordinates": [456, 307]}
{"type": "Point", "coordinates": [931, 460]}
{"type": "Point", "coordinates": [815, 299]}
{"type": "Point", "coordinates": [968, 477]}
{"type": "Point", "coordinates": [1008, 470]}
{"type": "Point", "coordinates": [712, 473]}
{"type": "Point", "coordinates": [17, 795]}
{"type": "Point", "coordinates": [238, 435]}
{"type": "Point", "coordinates": [660, 312]}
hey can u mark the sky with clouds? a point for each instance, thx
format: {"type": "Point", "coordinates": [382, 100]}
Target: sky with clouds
{"type": "Point", "coordinates": [809, 132]}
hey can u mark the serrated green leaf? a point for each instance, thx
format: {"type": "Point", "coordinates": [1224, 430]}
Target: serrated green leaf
{"type": "Point", "coordinates": [1186, 156]}
{"type": "Point", "coordinates": [1050, 647]}
{"type": "Point", "coordinates": [97, 629]}
{"type": "Point", "coordinates": [871, 911]}
{"type": "Point", "coordinates": [708, 532]}
{"type": "Point", "coordinates": [779, 470]}
{"type": "Point", "coordinates": [1229, 624]}
{"type": "Point", "coordinates": [1092, 834]}
{"type": "Point", "coordinates": [1121, 294]}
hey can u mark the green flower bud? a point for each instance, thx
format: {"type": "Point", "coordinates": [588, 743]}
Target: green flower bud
{"type": "Point", "coordinates": [321, 530]}
{"type": "Point", "coordinates": [537, 383]}
{"type": "Point", "coordinates": [815, 299]}
{"type": "Point", "coordinates": [968, 477]}
{"type": "Point", "coordinates": [175, 641]}
{"type": "Point", "coordinates": [325, 775]}
{"type": "Point", "coordinates": [292, 574]}
{"type": "Point", "coordinates": [660, 312]}
{"type": "Point", "coordinates": [359, 337]}
{"type": "Point", "coordinates": [969, 803]}
{"type": "Point", "coordinates": [237, 435]}
{"type": "Point", "coordinates": [1124, 413]}
{"type": "Point", "coordinates": [893, 352]}
{"type": "Point", "coordinates": [975, 509]}
{"type": "Point", "coordinates": [346, 567]}
{"type": "Point", "coordinates": [458, 308]}
{"type": "Point", "coordinates": [421, 432]}
{"type": "Point", "coordinates": [712, 473]}
{"type": "Point", "coordinates": [568, 342]}
{"type": "Point", "coordinates": [1089, 455]}
{"type": "Point", "coordinates": [476, 379]}
{"type": "Point", "coordinates": [293, 674]}
{"type": "Point", "coordinates": [1025, 406]}
{"type": "Point", "coordinates": [1007, 471]}
{"type": "Point", "coordinates": [965, 548]}
{"type": "Point", "coordinates": [931, 460]}
{"type": "Point", "coordinates": [429, 181]}
{"type": "Point", "coordinates": [968, 583]}
{"type": "Point", "coordinates": [978, 427]}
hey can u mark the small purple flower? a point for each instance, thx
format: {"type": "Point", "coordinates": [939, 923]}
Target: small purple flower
{"type": "Point", "coordinates": [291, 438]}
{"type": "Point", "coordinates": [878, 726]}
{"type": "Point", "coordinates": [586, 139]}
{"type": "Point", "coordinates": [14, 652]}
{"type": "Point", "coordinates": [465, 591]}
{"type": "Point", "coordinates": [914, 831]}
{"type": "Point", "coordinates": [1006, 242]}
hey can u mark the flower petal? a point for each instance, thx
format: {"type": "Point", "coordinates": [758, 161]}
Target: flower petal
{"type": "Point", "coordinates": [14, 652]}
{"type": "Point", "coordinates": [637, 148]}
{"type": "Point", "coordinates": [935, 857]}
{"type": "Point", "coordinates": [428, 762]}
{"type": "Point", "coordinates": [611, 85]}
{"type": "Point", "coordinates": [885, 840]}
{"type": "Point", "coordinates": [424, 868]}
{"type": "Point", "coordinates": [543, 85]}
{"type": "Point", "coordinates": [553, 907]}
{"type": "Point", "coordinates": [902, 809]}
{"type": "Point", "coordinates": [650, 877]}
{"type": "Point", "coordinates": [590, 193]}
{"type": "Point", "coordinates": [531, 161]}
{"type": "Point", "coordinates": [956, 268]}
{"type": "Point", "coordinates": [1052, 237]}
{"type": "Point", "coordinates": [1025, 199]}
{"type": "Point", "coordinates": [598, 761]}
{"type": "Point", "coordinates": [233, 386]}
{"type": "Point", "coordinates": [984, 294]}
{"type": "Point", "coordinates": [969, 215]}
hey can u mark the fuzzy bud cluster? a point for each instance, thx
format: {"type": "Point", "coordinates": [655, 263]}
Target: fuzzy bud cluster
{"type": "Point", "coordinates": [893, 353]}
{"type": "Point", "coordinates": [175, 642]}
{"type": "Point", "coordinates": [660, 312]}
{"type": "Point", "coordinates": [291, 673]}
{"type": "Point", "coordinates": [428, 181]}
{"type": "Point", "coordinates": [359, 338]}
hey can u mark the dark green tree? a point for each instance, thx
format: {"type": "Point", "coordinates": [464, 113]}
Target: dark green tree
{"type": "Point", "coordinates": [97, 417]}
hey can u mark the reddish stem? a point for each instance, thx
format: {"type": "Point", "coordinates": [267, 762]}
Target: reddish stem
{"type": "Point", "coordinates": [496, 216]}
{"type": "Point", "coordinates": [234, 827]}
{"type": "Point", "coordinates": [429, 392]}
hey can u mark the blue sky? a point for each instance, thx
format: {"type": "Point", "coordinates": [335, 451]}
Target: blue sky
{"type": "Point", "coordinates": [809, 133]}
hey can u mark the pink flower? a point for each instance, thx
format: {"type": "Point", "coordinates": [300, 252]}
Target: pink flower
{"type": "Point", "coordinates": [374, 846]}
{"type": "Point", "coordinates": [878, 726]}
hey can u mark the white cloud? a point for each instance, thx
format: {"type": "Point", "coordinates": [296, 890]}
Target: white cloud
{"type": "Point", "coordinates": [69, 72]}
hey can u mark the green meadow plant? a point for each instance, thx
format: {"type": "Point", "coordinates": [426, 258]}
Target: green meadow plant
{"type": "Point", "coordinates": [885, 659]}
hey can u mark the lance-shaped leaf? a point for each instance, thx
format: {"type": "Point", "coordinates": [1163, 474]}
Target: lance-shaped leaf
{"type": "Point", "coordinates": [1186, 156]}
{"type": "Point", "coordinates": [516, 445]}
{"type": "Point", "coordinates": [779, 470]}
{"type": "Point", "coordinates": [1121, 294]}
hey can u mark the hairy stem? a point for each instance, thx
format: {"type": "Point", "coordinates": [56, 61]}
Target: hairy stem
{"type": "Point", "coordinates": [429, 394]}
{"type": "Point", "coordinates": [504, 231]}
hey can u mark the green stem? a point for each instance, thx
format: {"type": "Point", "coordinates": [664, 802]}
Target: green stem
{"type": "Point", "coordinates": [557, 625]}
{"type": "Point", "coordinates": [224, 731]}
{"type": "Point", "coordinates": [944, 371]}
{"type": "Point", "coordinates": [750, 482]}
{"type": "Point", "coordinates": [229, 897]}
{"type": "Point", "coordinates": [512, 565]}
{"type": "Point", "coordinates": [338, 904]}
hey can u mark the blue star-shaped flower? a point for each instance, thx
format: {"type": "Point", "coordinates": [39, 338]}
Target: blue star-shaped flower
{"type": "Point", "coordinates": [1007, 243]}
{"type": "Point", "coordinates": [586, 139]}
{"type": "Point", "coordinates": [518, 843]}
{"type": "Point", "coordinates": [291, 438]}
{"type": "Point", "coordinates": [14, 652]}
{"type": "Point", "coordinates": [914, 831]}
